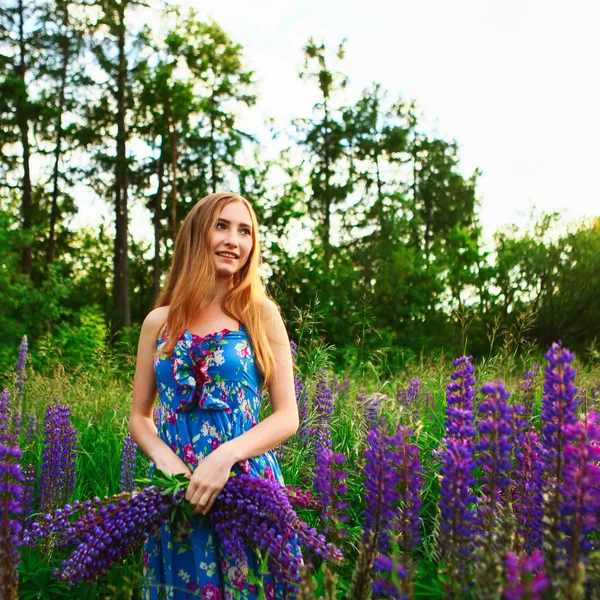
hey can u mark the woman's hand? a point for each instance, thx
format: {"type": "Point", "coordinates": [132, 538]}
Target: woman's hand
{"type": "Point", "coordinates": [171, 464]}
{"type": "Point", "coordinates": [208, 479]}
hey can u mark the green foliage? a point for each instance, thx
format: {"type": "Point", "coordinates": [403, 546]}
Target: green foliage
{"type": "Point", "coordinates": [74, 344]}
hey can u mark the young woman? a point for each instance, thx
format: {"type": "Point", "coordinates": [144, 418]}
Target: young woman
{"type": "Point", "coordinates": [208, 349]}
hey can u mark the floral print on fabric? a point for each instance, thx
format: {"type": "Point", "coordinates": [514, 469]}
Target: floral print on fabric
{"type": "Point", "coordinates": [208, 393]}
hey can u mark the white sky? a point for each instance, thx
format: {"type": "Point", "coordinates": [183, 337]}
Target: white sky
{"type": "Point", "coordinates": [515, 83]}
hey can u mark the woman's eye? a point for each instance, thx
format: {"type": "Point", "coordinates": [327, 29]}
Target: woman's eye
{"type": "Point", "coordinates": [220, 224]}
{"type": "Point", "coordinates": [246, 231]}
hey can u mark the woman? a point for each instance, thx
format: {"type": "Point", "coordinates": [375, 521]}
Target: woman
{"type": "Point", "coordinates": [209, 348]}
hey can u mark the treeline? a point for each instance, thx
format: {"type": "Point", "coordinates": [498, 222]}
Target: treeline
{"type": "Point", "coordinates": [370, 230]}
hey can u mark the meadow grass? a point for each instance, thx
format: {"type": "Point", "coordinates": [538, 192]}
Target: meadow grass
{"type": "Point", "coordinates": [100, 400]}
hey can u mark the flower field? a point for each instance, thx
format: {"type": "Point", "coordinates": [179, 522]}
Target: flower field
{"type": "Point", "coordinates": [460, 480]}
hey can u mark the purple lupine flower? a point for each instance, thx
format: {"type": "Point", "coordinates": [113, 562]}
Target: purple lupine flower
{"type": "Point", "coordinates": [527, 492]}
{"type": "Point", "coordinates": [249, 510]}
{"type": "Point", "coordinates": [459, 396]}
{"type": "Point", "coordinates": [408, 398]}
{"type": "Point", "coordinates": [323, 408]}
{"type": "Point", "coordinates": [105, 531]}
{"type": "Point", "coordinates": [11, 493]}
{"type": "Point", "coordinates": [580, 497]}
{"type": "Point", "coordinates": [156, 416]}
{"type": "Point", "coordinates": [29, 477]}
{"type": "Point", "coordinates": [33, 428]}
{"type": "Point", "coordinates": [457, 515]}
{"type": "Point", "coordinates": [528, 393]}
{"type": "Point", "coordinates": [407, 524]}
{"type": "Point", "coordinates": [57, 480]}
{"type": "Point", "coordinates": [294, 350]}
{"type": "Point", "coordinates": [381, 498]}
{"type": "Point", "coordinates": [384, 567]}
{"type": "Point", "coordinates": [128, 463]}
{"type": "Point", "coordinates": [371, 406]}
{"type": "Point", "coordinates": [300, 401]}
{"type": "Point", "coordinates": [21, 362]}
{"type": "Point", "coordinates": [525, 577]}
{"type": "Point", "coordinates": [558, 408]}
{"type": "Point", "coordinates": [5, 419]}
{"type": "Point", "coordinates": [411, 483]}
{"type": "Point", "coordinates": [329, 483]}
{"type": "Point", "coordinates": [257, 511]}
{"type": "Point", "coordinates": [559, 405]}
{"type": "Point", "coordinates": [495, 448]}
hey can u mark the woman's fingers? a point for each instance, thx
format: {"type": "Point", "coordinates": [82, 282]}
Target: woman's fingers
{"type": "Point", "coordinates": [204, 504]}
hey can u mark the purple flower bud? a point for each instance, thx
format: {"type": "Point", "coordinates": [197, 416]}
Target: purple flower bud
{"type": "Point", "coordinates": [525, 577]}
{"type": "Point", "coordinates": [57, 480]}
{"type": "Point", "coordinates": [11, 495]}
{"type": "Point", "coordinates": [580, 492]}
{"type": "Point", "coordinates": [457, 500]}
{"type": "Point", "coordinates": [21, 362]}
{"type": "Point", "coordinates": [128, 463]}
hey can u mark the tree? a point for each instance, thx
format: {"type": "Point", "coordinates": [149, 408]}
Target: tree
{"type": "Point", "coordinates": [116, 47]}
{"type": "Point", "coordinates": [324, 138]}
{"type": "Point", "coordinates": [18, 32]}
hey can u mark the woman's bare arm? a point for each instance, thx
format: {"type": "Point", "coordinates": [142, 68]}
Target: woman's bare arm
{"type": "Point", "coordinates": [284, 421]}
{"type": "Point", "coordinates": [141, 422]}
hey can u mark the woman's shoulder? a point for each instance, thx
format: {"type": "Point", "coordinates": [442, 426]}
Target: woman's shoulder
{"type": "Point", "coordinates": [269, 308]}
{"type": "Point", "coordinates": [155, 321]}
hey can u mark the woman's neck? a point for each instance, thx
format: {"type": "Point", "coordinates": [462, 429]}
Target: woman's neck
{"type": "Point", "coordinates": [222, 286]}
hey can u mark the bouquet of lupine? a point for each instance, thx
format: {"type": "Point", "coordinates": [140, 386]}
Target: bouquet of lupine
{"type": "Point", "coordinates": [249, 510]}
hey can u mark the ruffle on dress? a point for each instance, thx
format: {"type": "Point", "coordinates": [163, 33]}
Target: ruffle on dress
{"type": "Point", "coordinates": [196, 387]}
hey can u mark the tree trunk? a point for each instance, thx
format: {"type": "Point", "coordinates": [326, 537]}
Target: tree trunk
{"type": "Point", "coordinates": [327, 196]}
{"type": "Point", "coordinates": [174, 142]}
{"type": "Point", "coordinates": [121, 308]}
{"type": "Point", "coordinates": [213, 145]}
{"type": "Point", "coordinates": [23, 124]}
{"type": "Point", "coordinates": [157, 217]}
{"type": "Point", "coordinates": [59, 135]}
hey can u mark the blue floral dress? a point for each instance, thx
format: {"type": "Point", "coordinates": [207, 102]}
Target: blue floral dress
{"type": "Point", "coordinates": [208, 393]}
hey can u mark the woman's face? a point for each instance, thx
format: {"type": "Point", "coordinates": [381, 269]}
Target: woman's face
{"type": "Point", "coordinates": [231, 239]}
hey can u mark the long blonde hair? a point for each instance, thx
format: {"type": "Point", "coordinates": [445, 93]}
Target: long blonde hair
{"type": "Point", "coordinates": [192, 276]}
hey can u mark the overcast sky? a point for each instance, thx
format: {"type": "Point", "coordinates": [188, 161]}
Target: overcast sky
{"type": "Point", "coordinates": [515, 83]}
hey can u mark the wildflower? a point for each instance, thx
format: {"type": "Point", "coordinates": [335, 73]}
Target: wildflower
{"type": "Point", "coordinates": [21, 362]}
{"type": "Point", "coordinates": [11, 493]}
{"type": "Point", "coordinates": [329, 484]}
{"type": "Point", "coordinates": [57, 479]}
{"type": "Point", "coordinates": [457, 515]}
{"type": "Point", "coordinates": [559, 405]}
{"type": "Point", "coordinates": [527, 492]}
{"type": "Point", "coordinates": [391, 478]}
{"type": "Point", "coordinates": [249, 510]}
{"type": "Point", "coordinates": [494, 448]}
{"type": "Point", "coordinates": [580, 497]}
{"type": "Point", "coordinates": [528, 393]}
{"type": "Point", "coordinates": [128, 463]}
{"type": "Point", "coordinates": [526, 577]}
{"type": "Point", "coordinates": [385, 569]}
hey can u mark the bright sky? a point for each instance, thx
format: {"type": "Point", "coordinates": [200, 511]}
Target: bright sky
{"type": "Point", "coordinates": [515, 83]}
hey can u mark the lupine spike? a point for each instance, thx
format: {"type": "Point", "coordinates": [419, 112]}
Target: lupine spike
{"type": "Point", "coordinates": [382, 477]}
{"type": "Point", "coordinates": [11, 495]}
{"type": "Point", "coordinates": [559, 405]}
{"type": "Point", "coordinates": [580, 492]}
{"type": "Point", "coordinates": [457, 515]}
{"type": "Point", "coordinates": [21, 362]}
{"type": "Point", "coordinates": [528, 493]}
{"type": "Point", "coordinates": [525, 577]}
{"type": "Point", "coordinates": [329, 484]}
{"type": "Point", "coordinates": [128, 463]}
{"type": "Point", "coordinates": [495, 451]}
{"type": "Point", "coordinates": [57, 480]}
